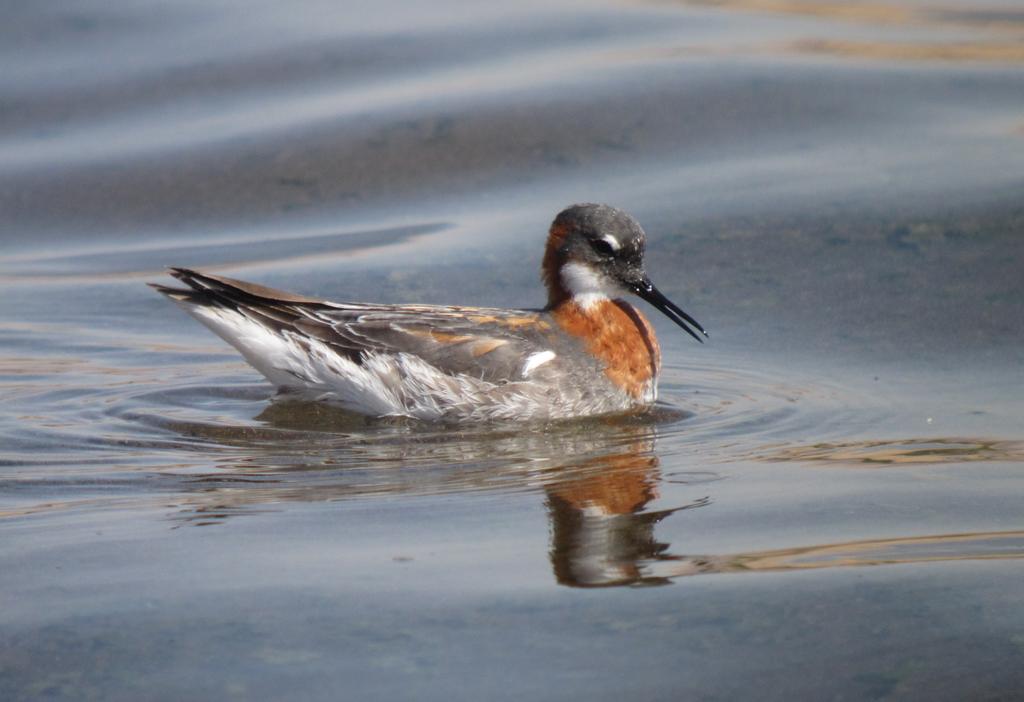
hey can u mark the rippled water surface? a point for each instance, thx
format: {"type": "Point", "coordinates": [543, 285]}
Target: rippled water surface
{"type": "Point", "coordinates": [829, 492]}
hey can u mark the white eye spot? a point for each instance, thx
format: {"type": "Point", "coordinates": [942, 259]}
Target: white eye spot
{"type": "Point", "coordinates": [535, 360]}
{"type": "Point", "coordinates": [612, 241]}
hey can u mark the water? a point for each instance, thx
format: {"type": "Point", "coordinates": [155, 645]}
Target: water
{"type": "Point", "coordinates": [826, 503]}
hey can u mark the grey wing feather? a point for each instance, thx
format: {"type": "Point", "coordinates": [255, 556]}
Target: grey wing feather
{"type": "Point", "coordinates": [489, 344]}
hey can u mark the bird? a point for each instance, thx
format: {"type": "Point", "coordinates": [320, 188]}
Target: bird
{"type": "Point", "coordinates": [586, 352]}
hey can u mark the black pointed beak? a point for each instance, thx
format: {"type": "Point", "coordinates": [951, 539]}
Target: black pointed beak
{"type": "Point", "coordinates": [645, 289]}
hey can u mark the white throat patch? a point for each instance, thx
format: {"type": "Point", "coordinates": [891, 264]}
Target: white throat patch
{"type": "Point", "coordinates": [588, 286]}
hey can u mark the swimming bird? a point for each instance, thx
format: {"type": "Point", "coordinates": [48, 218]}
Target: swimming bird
{"type": "Point", "coordinates": [587, 352]}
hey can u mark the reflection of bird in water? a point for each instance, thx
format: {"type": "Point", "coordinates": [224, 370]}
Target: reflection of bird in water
{"type": "Point", "coordinates": [601, 535]}
{"type": "Point", "coordinates": [588, 352]}
{"type": "Point", "coordinates": [600, 477]}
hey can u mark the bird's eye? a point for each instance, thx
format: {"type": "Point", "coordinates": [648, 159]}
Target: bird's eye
{"type": "Point", "coordinates": [603, 247]}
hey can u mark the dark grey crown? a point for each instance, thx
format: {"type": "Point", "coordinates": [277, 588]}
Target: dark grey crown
{"type": "Point", "coordinates": [604, 236]}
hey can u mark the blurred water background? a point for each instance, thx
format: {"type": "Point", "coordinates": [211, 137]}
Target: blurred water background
{"type": "Point", "coordinates": [830, 494]}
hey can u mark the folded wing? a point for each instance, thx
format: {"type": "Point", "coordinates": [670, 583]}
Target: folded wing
{"type": "Point", "coordinates": [492, 345]}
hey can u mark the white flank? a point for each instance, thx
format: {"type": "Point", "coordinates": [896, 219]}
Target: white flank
{"type": "Point", "coordinates": [381, 384]}
{"type": "Point", "coordinates": [396, 384]}
{"type": "Point", "coordinates": [587, 286]}
{"type": "Point", "coordinates": [535, 360]}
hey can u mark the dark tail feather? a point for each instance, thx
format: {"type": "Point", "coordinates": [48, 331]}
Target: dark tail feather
{"type": "Point", "coordinates": [206, 290]}
{"type": "Point", "coordinates": [195, 297]}
{"type": "Point", "coordinates": [236, 290]}
{"type": "Point", "coordinates": [274, 309]}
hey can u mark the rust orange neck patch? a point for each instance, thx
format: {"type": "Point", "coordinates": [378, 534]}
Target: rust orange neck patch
{"type": "Point", "coordinates": [620, 336]}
